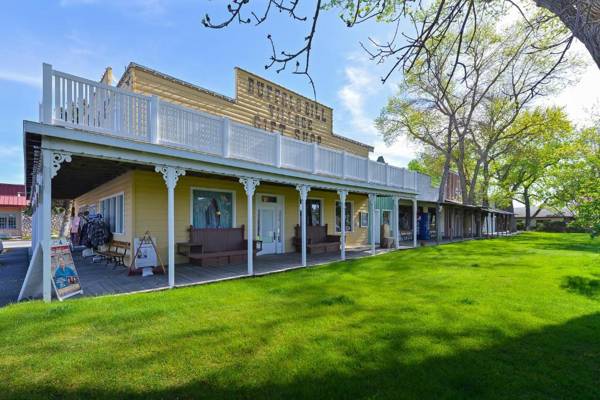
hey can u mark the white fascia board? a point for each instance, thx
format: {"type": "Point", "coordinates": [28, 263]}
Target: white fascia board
{"type": "Point", "coordinates": [84, 143]}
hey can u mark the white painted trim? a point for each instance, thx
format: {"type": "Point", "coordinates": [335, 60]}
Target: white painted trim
{"type": "Point", "coordinates": [351, 215]}
{"type": "Point", "coordinates": [122, 193]}
{"type": "Point", "coordinates": [233, 198]}
{"type": "Point", "coordinates": [256, 205]}
{"type": "Point", "coordinates": [90, 143]}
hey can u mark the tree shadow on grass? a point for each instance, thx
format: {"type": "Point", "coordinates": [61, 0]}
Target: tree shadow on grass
{"type": "Point", "coordinates": [581, 285]}
{"type": "Point", "coordinates": [556, 362]}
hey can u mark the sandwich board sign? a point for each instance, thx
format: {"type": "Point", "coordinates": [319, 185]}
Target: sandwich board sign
{"type": "Point", "coordinates": [64, 274]}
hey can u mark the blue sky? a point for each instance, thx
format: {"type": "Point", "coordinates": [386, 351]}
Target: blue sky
{"type": "Point", "coordinates": [82, 37]}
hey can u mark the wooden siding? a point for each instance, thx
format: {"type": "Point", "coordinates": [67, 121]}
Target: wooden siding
{"type": "Point", "coordinates": [294, 115]}
{"type": "Point", "coordinates": [121, 184]}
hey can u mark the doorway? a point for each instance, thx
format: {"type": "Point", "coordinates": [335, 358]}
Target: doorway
{"type": "Point", "coordinates": [270, 223]}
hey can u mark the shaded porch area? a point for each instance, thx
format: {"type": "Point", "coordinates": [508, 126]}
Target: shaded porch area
{"type": "Point", "coordinates": [102, 279]}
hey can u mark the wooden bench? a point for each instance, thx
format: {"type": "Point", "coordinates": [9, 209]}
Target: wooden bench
{"type": "Point", "coordinates": [217, 246]}
{"type": "Point", "coordinates": [317, 240]}
{"type": "Point", "coordinates": [116, 251]}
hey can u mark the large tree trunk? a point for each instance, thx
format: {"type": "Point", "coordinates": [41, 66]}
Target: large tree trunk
{"type": "Point", "coordinates": [439, 221]}
{"type": "Point", "coordinates": [486, 184]}
{"type": "Point", "coordinates": [527, 202]}
{"type": "Point", "coordinates": [582, 17]}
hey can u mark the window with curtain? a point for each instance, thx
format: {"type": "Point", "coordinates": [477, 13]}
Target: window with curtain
{"type": "Point", "coordinates": [338, 217]}
{"type": "Point", "coordinates": [212, 209]}
{"type": "Point", "coordinates": [113, 211]}
{"type": "Point", "coordinates": [313, 212]}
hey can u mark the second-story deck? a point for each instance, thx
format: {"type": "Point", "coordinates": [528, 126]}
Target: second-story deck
{"type": "Point", "coordinates": [79, 103]}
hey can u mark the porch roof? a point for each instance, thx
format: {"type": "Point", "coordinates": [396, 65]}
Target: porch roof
{"type": "Point", "coordinates": [120, 154]}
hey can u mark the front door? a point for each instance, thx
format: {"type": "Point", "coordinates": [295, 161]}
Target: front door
{"type": "Point", "coordinates": [269, 223]}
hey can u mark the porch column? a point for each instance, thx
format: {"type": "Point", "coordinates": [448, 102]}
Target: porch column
{"type": "Point", "coordinates": [303, 189]}
{"type": "Point", "coordinates": [51, 162]}
{"type": "Point", "coordinates": [395, 218]}
{"type": "Point", "coordinates": [414, 222]}
{"type": "Point", "coordinates": [250, 185]}
{"type": "Point", "coordinates": [342, 194]}
{"type": "Point", "coordinates": [372, 199]}
{"type": "Point", "coordinates": [171, 176]}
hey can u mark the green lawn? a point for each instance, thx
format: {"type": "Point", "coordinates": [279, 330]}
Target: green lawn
{"type": "Point", "coordinates": [506, 318]}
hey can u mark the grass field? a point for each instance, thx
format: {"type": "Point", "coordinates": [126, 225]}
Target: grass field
{"type": "Point", "coordinates": [510, 318]}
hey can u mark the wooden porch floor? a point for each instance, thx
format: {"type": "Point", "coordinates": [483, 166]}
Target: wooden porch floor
{"type": "Point", "coordinates": [101, 279]}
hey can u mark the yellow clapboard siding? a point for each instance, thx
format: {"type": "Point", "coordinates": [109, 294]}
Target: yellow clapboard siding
{"type": "Point", "coordinates": [146, 206]}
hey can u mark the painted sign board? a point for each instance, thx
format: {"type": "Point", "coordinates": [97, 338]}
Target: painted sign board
{"type": "Point", "coordinates": [65, 278]}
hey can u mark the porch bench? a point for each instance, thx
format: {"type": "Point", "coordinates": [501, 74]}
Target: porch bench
{"type": "Point", "coordinates": [317, 240]}
{"type": "Point", "coordinates": [116, 251]}
{"type": "Point", "coordinates": [217, 246]}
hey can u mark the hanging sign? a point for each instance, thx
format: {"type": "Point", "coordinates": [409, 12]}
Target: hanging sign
{"type": "Point", "coordinates": [64, 274]}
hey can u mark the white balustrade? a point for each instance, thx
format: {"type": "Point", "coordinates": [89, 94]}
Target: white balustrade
{"type": "Point", "coordinates": [356, 167]}
{"type": "Point", "coordinates": [377, 172]}
{"type": "Point", "coordinates": [195, 130]}
{"type": "Point", "coordinates": [296, 154]}
{"type": "Point", "coordinates": [330, 162]}
{"type": "Point", "coordinates": [252, 144]}
{"type": "Point", "coordinates": [80, 103]}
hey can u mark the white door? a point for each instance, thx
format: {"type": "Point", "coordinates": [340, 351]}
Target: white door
{"type": "Point", "coordinates": [269, 224]}
{"type": "Point", "coordinates": [377, 222]}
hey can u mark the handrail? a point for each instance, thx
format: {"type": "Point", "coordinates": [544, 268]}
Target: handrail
{"type": "Point", "coordinates": [106, 109]}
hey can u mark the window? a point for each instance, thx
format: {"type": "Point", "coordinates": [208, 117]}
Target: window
{"type": "Point", "coordinates": [12, 222]}
{"type": "Point", "coordinates": [364, 219]}
{"type": "Point", "coordinates": [113, 211]}
{"type": "Point", "coordinates": [386, 217]}
{"type": "Point", "coordinates": [212, 209]}
{"type": "Point", "coordinates": [338, 216]}
{"type": "Point", "coordinates": [314, 214]}
{"type": "Point", "coordinates": [3, 222]}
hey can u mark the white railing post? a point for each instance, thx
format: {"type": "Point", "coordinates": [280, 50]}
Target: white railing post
{"type": "Point", "coordinates": [154, 119]}
{"type": "Point", "coordinates": [46, 93]}
{"type": "Point", "coordinates": [387, 175]}
{"type": "Point", "coordinates": [226, 136]}
{"type": "Point", "coordinates": [368, 170]}
{"type": "Point", "coordinates": [344, 164]}
{"type": "Point", "coordinates": [315, 149]}
{"type": "Point", "coordinates": [278, 151]}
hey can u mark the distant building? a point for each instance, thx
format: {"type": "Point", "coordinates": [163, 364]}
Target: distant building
{"type": "Point", "coordinates": [12, 203]}
{"type": "Point", "coordinates": [548, 214]}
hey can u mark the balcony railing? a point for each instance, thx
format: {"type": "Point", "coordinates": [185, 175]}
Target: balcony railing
{"type": "Point", "coordinates": [75, 102]}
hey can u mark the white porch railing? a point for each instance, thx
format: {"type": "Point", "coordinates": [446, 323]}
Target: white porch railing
{"type": "Point", "coordinates": [80, 103]}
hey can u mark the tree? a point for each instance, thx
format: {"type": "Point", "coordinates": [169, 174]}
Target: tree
{"type": "Point", "coordinates": [405, 49]}
{"type": "Point", "coordinates": [525, 173]}
{"type": "Point", "coordinates": [466, 117]}
{"type": "Point", "coordinates": [575, 182]}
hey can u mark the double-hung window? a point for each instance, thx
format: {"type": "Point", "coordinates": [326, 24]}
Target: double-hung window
{"type": "Point", "coordinates": [113, 211]}
{"type": "Point", "coordinates": [338, 217]}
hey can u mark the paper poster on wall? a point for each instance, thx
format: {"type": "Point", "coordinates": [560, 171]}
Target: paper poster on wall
{"type": "Point", "coordinates": [145, 253]}
{"type": "Point", "coordinates": [64, 274]}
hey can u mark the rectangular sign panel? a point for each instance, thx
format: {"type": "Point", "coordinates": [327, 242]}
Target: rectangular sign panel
{"type": "Point", "coordinates": [64, 274]}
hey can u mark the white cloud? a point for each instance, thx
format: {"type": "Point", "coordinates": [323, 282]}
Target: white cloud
{"type": "Point", "coordinates": [579, 99]}
{"type": "Point", "coordinates": [12, 76]}
{"type": "Point", "coordinates": [362, 96]}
